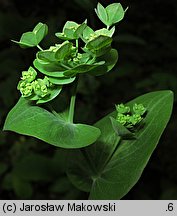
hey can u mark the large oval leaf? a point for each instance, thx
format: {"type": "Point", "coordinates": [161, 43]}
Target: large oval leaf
{"type": "Point", "coordinates": [110, 167]}
{"type": "Point", "coordinates": [35, 121]}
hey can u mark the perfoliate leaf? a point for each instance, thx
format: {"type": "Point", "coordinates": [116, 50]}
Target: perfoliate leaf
{"type": "Point", "coordinates": [121, 130]}
{"type": "Point", "coordinates": [32, 39]}
{"type": "Point", "coordinates": [115, 13]}
{"type": "Point", "coordinates": [84, 68]}
{"type": "Point", "coordinates": [52, 69]}
{"type": "Point", "coordinates": [87, 33]}
{"type": "Point", "coordinates": [79, 31]}
{"type": "Point", "coordinates": [40, 31]}
{"type": "Point", "coordinates": [99, 45]}
{"type": "Point", "coordinates": [63, 51]}
{"type": "Point", "coordinates": [46, 55]}
{"type": "Point", "coordinates": [105, 32]}
{"type": "Point", "coordinates": [61, 36]}
{"type": "Point", "coordinates": [111, 167]}
{"type": "Point", "coordinates": [35, 121]}
{"type": "Point", "coordinates": [27, 40]}
{"type": "Point", "coordinates": [110, 59]}
{"type": "Point", "coordinates": [61, 81]}
{"type": "Point", "coordinates": [71, 31]}
{"type": "Point", "coordinates": [70, 25]}
{"type": "Point", "coordinates": [102, 13]}
{"type": "Point", "coordinates": [54, 92]}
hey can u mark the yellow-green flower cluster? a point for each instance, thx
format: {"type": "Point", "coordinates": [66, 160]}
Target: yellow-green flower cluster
{"type": "Point", "coordinates": [29, 86]}
{"type": "Point", "coordinates": [130, 118]}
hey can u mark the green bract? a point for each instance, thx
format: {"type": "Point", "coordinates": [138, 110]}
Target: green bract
{"type": "Point", "coordinates": [32, 39]}
{"type": "Point", "coordinates": [71, 31]}
{"type": "Point", "coordinates": [110, 15]}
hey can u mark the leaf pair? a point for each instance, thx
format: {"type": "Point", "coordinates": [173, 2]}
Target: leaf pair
{"type": "Point", "coordinates": [110, 15]}
{"type": "Point", "coordinates": [98, 46]}
{"type": "Point", "coordinates": [28, 119]}
{"type": "Point", "coordinates": [71, 31]}
{"type": "Point", "coordinates": [32, 39]}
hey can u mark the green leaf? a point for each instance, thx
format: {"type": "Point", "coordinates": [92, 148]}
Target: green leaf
{"type": "Point", "coordinates": [99, 46]}
{"type": "Point", "coordinates": [121, 130]}
{"type": "Point", "coordinates": [35, 121]}
{"type": "Point", "coordinates": [70, 25]}
{"type": "Point", "coordinates": [87, 33]}
{"type": "Point", "coordinates": [27, 40]}
{"type": "Point", "coordinates": [54, 92]}
{"type": "Point", "coordinates": [115, 13]}
{"type": "Point", "coordinates": [105, 32]}
{"type": "Point", "coordinates": [32, 39]}
{"type": "Point", "coordinates": [46, 55]}
{"type": "Point", "coordinates": [61, 81]}
{"type": "Point", "coordinates": [110, 59]}
{"type": "Point", "coordinates": [71, 31]}
{"type": "Point", "coordinates": [63, 51]}
{"type": "Point", "coordinates": [52, 69]}
{"type": "Point", "coordinates": [79, 31]}
{"type": "Point", "coordinates": [40, 31]}
{"type": "Point", "coordinates": [111, 167]}
{"type": "Point", "coordinates": [82, 69]}
{"type": "Point", "coordinates": [101, 13]}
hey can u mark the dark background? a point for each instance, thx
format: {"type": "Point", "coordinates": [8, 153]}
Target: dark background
{"type": "Point", "coordinates": [147, 43]}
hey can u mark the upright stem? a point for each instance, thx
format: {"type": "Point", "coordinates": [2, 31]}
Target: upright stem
{"type": "Point", "coordinates": [72, 101]}
{"type": "Point", "coordinates": [77, 45]}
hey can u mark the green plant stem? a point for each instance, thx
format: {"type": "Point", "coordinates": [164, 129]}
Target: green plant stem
{"type": "Point", "coordinates": [77, 45]}
{"type": "Point", "coordinates": [65, 66]}
{"type": "Point", "coordinates": [72, 101]}
{"type": "Point", "coordinates": [39, 47]}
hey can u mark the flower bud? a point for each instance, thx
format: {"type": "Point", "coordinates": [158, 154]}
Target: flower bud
{"type": "Point", "coordinates": [29, 75]}
{"type": "Point", "coordinates": [26, 89]}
